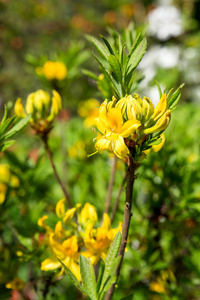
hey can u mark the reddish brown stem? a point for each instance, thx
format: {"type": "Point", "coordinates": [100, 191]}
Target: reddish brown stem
{"type": "Point", "coordinates": [127, 218]}
{"type": "Point", "coordinates": [110, 186]}
{"type": "Point", "coordinates": [65, 192]}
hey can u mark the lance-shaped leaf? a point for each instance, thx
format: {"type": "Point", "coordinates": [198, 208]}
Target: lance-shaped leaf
{"type": "Point", "coordinates": [5, 115]}
{"type": "Point", "coordinates": [90, 74]}
{"type": "Point", "coordinates": [101, 48]}
{"type": "Point", "coordinates": [6, 145]}
{"type": "Point", "coordinates": [5, 125]}
{"type": "Point", "coordinates": [136, 56]}
{"type": "Point", "coordinates": [115, 85]}
{"type": "Point", "coordinates": [74, 279]}
{"type": "Point", "coordinates": [88, 277]}
{"type": "Point", "coordinates": [110, 278]}
{"type": "Point", "coordinates": [111, 263]}
{"type": "Point", "coordinates": [159, 88]}
{"type": "Point", "coordinates": [18, 127]}
{"type": "Point", "coordinates": [115, 65]}
{"type": "Point", "coordinates": [129, 297]}
{"type": "Point", "coordinates": [174, 99]}
{"type": "Point", "coordinates": [110, 49]}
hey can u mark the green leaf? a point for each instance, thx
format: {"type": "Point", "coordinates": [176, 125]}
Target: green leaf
{"type": "Point", "coordinates": [110, 49]}
{"type": "Point", "coordinates": [88, 276]}
{"type": "Point", "coordinates": [18, 127]}
{"type": "Point", "coordinates": [101, 49]}
{"type": "Point", "coordinates": [90, 74]}
{"type": "Point", "coordinates": [5, 125]}
{"type": "Point", "coordinates": [135, 45]}
{"type": "Point", "coordinates": [173, 101]}
{"type": "Point", "coordinates": [159, 88]}
{"type": "Point", "coordinates": [114, 248]}
{"type": "Point", "coordinates": [116, 86]}
{"type": "Point", "coordinates": [129, 297]}
{"type": "Point", "coordinates": [5, 115]}
{"type": "Point", "coordinates": [6, 145]}
{"type": "Point", "coordinates": [111, 276]}
{"type": "Point", "coordinates": [74, 279]}
{"type": "Point", "coordinates": [100, 275]}
{"type": "Point", "coordinates": [111, 261]}
{"type": "Point", "coordinates": [136, 56]}
{"type": "Point", "coordinates": [115, 65]}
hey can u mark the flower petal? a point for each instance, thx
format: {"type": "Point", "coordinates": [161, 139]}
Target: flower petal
{"type": "Point", "coordinates": [119, 148]}
{"type": "Point", "coordinates": [129, 127]}
{"type": "Point", "coordinates": [103, 144]}
{"type": "Point", "coordinates": [50, 263]}
{"type": "Point", "coordinates": [115, 120]}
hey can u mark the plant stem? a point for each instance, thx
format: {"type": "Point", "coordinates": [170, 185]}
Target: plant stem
{"type": "Point", "coordinates": [65, 192]}
{"type": "Point", "coordinates": [110, 186]}
{"type": "Point", "coordinates": [113, 213]}
{"type": "Point", "coordinates": [127, 218]}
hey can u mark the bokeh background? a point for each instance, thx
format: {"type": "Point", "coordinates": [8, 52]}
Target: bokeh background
{"type": "Point", "coordinates": [163, 257]}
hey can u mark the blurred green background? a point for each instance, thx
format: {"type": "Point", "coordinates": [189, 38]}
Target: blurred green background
{"type": "Point", "coordinates": [163, 257]}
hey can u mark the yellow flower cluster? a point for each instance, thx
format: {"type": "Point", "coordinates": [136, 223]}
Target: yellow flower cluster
{"type": "Point", "coordinates": [7, 180]}
{"type": "Point", "coordinates": [75, 234]}
{"type": "Point", "coordinates": [53, 70]}
{"type": "Point", "coordinates": [42, 112]}
{"type": "Point", "coordinates": [128, 122]}
{"type": "Point", "coordinates": [161, 285]}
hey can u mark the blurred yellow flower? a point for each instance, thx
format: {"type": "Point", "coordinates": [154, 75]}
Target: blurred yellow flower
{"type": "Point", "coordinates": [70, 238]}
{"type": "Point", "coordinates": [67, 252]}
{"type": "Point", "coordinates": [97, 241]}
{"type": "Point", "coordinates": [53, 70]}
{"type": "Point", "coordinates": [3, 191]}
{"type": "Point", "coordinates": [89, 110]}
{"type": "Point", "coordinates": [60, 208]}
{"type": "Point", "coordinates": [157, 287]}
{"type": "Point", "coordinates": [88, 214]}
{"type": "Point", "coordinates": [38, 104]}
{"type": "Point", "coordinates": [16, 284]}
{"type": "Point", "coordinates": [7, 179]}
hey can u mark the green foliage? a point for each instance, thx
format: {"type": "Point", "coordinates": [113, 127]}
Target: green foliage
{"type": "Point", "coordinates": [7, 132]}
{"type": "Point", "coordinates": [118, 61]}
{"type": "Point", "coordinates": [107, 277]}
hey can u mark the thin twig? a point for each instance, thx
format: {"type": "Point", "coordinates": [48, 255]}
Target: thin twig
{"type": "Point", "coordinates": [114, 210]}
{"type": "Point", "coordinates": [110, 186]}
{"type": "Point", "coordinates": [65, 192]}
{"type": "Point", "coordinates": [127, 218]}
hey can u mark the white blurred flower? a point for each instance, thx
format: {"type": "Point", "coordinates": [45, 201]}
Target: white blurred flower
{"type": "Point", "coordinates": [165, 22]}
{"type": "Point", "coordinates": [156, 56]}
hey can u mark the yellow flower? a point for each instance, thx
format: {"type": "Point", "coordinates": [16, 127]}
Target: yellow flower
{"type": "Point", "coordinates": [4, 173]}
{"type": "Point", "coordinates": [157, 287]}
{"type": "Point", "coordinates": [126, 124]}
{"type": "Point", "coordinates": [53, 70]}
{"type": "Point", "coordinates": [97, 241]}
{"type": "Point", "coordinates": [43, 112]}
{"type": "Point", "coordinates": [6, 180]}
{"type": "Point", "coordinates": [89, 110]}
{"type": "Point", "coordinates": [60, 208]}
{"type": "Point", "coordinates": [69, 215]}
{"type": "Point", "coordinates": [19, 109]}
{"type": "Point", "coordinates": [16, 284]}
{"type": "Point", "coordinates": [67, 252]}
{"type": "Point", "coordinates": [88, 215]}
{"type": "Point", "coordinates": [110, 123]}
{"type": "Point", "coordinates": [3, 191]}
